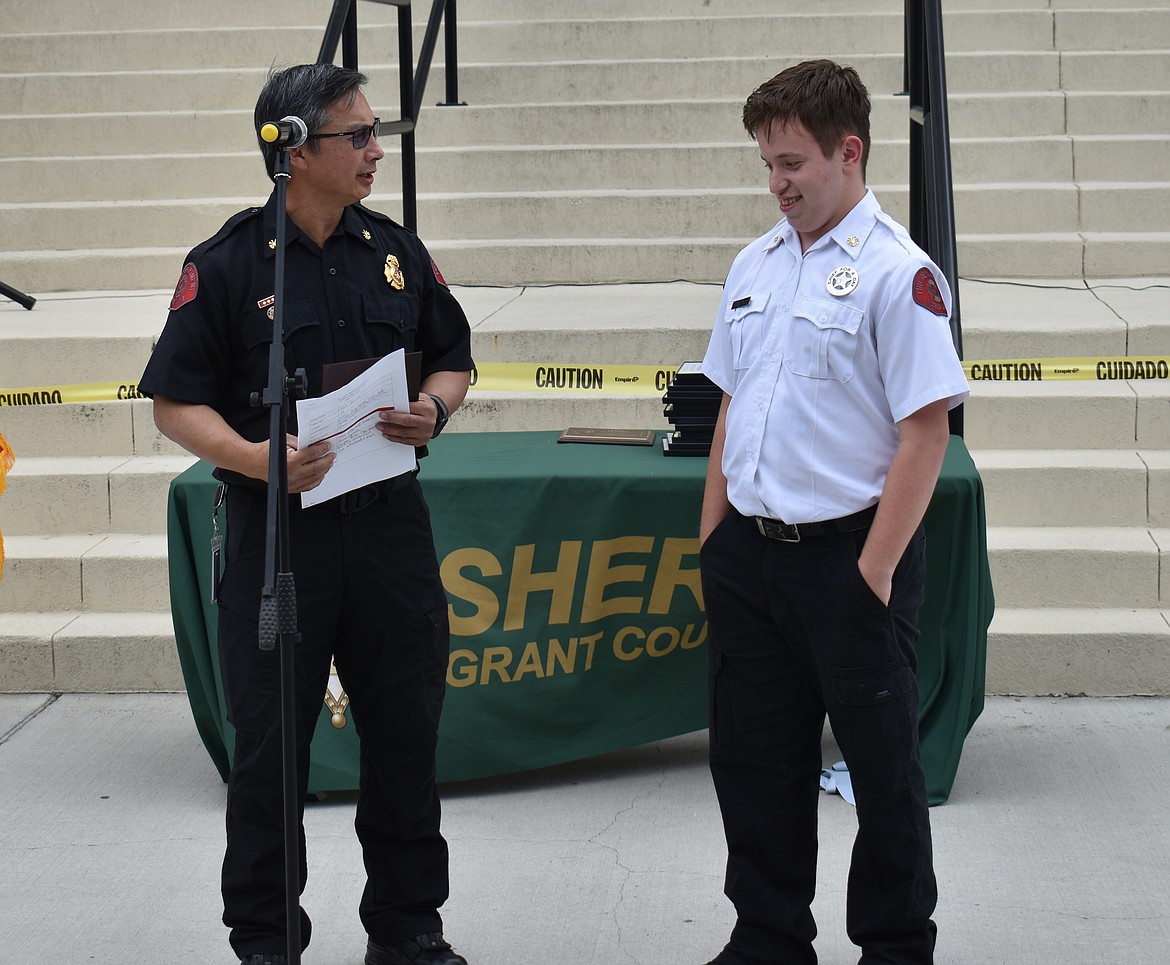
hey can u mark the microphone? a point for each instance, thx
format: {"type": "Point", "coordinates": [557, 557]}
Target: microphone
{"type": "Point", "coordinates": [289, 131]}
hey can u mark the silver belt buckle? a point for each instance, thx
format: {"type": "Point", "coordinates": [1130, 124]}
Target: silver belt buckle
{"type": "Point", "coordinates": [778, 530]}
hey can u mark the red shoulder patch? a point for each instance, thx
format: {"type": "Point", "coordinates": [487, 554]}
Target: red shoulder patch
{"type": "Point", "coordinates": [438, 274]}
{"type": "Point", "coordinates": [926, 292]}
{"type": "Point", "coordinates": [187, 288]}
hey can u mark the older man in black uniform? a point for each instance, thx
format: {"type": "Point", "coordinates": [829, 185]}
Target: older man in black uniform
{"type": "Point", "coordinates": [368, 588]}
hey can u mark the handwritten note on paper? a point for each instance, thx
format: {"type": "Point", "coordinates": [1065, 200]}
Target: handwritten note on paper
{"type": "Point", "coordinates": [348, 417]}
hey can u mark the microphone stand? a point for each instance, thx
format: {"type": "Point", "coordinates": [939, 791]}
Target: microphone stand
{"type": "Point", "coordinates": [278, 599]}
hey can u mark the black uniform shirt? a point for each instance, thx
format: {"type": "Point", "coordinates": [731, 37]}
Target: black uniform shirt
{"type": "Point", "coordinates": [372, 290]}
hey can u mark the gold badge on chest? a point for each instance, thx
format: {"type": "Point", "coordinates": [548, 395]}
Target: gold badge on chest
{"type": "Point", "coordinates": [394, 273]}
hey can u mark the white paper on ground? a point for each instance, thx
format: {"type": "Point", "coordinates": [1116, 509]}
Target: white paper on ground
{"type": "Point", "coordinates": [836, 780]}
{"type": "Point", "coordinates": [348, 417]}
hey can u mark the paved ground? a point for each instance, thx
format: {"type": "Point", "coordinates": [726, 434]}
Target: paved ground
{"type": "Point", "coordinates": [1054, 847]}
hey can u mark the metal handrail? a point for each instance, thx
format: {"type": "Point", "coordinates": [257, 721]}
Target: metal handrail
{"type": "Point", "coordinates": [445, 11]}
{"type": "Point", "coordinates": [21, 299]}
{"type": "Point", "coordinates": [342, 29]}
{"type": "Point", "coordinates": [932, 202]}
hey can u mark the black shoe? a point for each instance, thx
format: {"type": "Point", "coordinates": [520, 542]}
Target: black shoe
{"type": "Point", "coordinates": [265, 958]}
{"type": "Point", "coordinates": [429, 949]}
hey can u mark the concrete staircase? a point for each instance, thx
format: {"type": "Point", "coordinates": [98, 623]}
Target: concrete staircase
{"type": "Point", "coordinates": [601, 150]}
{"type": "Point", "coordinates": [572, 120]}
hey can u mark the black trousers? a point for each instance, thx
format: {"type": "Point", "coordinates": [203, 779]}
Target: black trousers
{"type": "Point", "coordinates": [368, 593]}
{"type": "Point", "coordinates": [795, 633]}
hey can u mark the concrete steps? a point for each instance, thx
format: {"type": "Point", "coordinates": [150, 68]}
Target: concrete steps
{"type": "Point", "coordinates": [1077, 474]}
{"type": "Point", "coordinates": [38, 91]}
{"type": "Point", "coordinates": [41, 16]}
{"type": "Point", "coordinates": [71, 652]}
{"type": "Point", "coordinates": [550, 39]}
{"type": "Point", "coordinates": [1039, 651]}
{"type": "Point", "coordinates": [596, 147]}
{"type": "Point", "coordinates": [89, 494]}
{"type": "Point", "coordinates": [605, 260]}
{"type": "Point", "coordinates": [518, 167]}
{"type": "Point", "coordinates": [583, 120]}
{"type": "Point", "coordinates": [619, 93]}
{"type": "Point", "coordinates": [588, 213]}
{"type": "Point", "coordinates": [92, 573]}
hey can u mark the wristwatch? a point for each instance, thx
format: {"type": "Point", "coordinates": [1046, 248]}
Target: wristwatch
{"type": "Point", "coordinates": [444, 414]}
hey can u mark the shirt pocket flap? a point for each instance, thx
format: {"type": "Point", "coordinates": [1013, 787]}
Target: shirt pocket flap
{"type": "Point", "coordinates": [400, 312]}
{"type": "Point", "coordinates": [296, 314]}
{"type": "Point", "coordinates": [827, 313]}
{"type": "Point", "coordinates": [744, 305]}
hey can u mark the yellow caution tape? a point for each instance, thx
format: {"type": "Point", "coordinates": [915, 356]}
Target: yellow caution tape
{"type": "Point", "coordinates": [58, 394]}
{"type": "Point", "coordinates": [1091, 369]}
{"type": "Point", "coordinates": [653, 380]}
{"type": "Point", "coordinates": [551, 377]}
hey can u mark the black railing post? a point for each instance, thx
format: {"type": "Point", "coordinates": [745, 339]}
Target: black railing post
{"type": "Point", "coordinates": [932, 205]}
{"type": "Point", "coordinates": [451, 56]}
{"type": "Point", "coordinates": [425, 54]}
{"type": "Point", "coordinates": [445, 11]}
{"type": "Point", "coordinates": [406, 84]}
{"type": "Point", "coordinates": [21, 299]}
{"type": "Point", "coordinates": [342, 29]}
{"type": "Point", "coordinates": [333, 30]}
{"type": "Point", "coordinates": [349, 39]}
{"type": "Point", "coordinates": [915, 43]}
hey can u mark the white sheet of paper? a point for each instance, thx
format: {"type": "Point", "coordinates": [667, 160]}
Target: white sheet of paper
{"type": "Point", "coordinates": [836, 780]}
{"type": "Point", "coordinates": [347, 417]}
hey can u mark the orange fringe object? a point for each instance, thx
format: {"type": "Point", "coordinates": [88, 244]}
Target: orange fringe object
{"type": "Point", "coordinates": [7, 460]}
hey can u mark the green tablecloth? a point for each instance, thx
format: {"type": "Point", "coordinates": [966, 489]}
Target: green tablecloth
{"type": "Point", "coordinates": [576, 611]}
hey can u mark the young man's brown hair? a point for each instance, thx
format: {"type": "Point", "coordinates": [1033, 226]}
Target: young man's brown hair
{"type": "Point", "coordinates": [827, 99]}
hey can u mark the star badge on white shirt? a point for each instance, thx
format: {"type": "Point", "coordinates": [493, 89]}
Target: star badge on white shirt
{"type": "Point", "coordinates": [842, 281]}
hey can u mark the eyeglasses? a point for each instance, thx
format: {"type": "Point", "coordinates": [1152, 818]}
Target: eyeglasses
{"type": "Point", "coordinates": [361, 137]}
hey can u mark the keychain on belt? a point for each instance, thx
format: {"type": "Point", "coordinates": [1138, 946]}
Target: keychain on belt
{"type": "Point", "coordinates": [216, 540]}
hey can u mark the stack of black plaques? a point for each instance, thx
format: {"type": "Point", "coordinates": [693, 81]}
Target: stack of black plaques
{"type": "Point", "coordinates": [692, 407]}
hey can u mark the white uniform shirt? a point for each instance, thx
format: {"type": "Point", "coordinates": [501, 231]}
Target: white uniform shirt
{"type": "Point", "coordinates": [819, 381]}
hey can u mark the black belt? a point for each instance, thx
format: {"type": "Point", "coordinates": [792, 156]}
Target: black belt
{"type": "Point", "coordinates": [347, 504]}
{"type": "Point", "coordinates": [364, 497]}
{"type": "Point", "coordinates": [795, 532]}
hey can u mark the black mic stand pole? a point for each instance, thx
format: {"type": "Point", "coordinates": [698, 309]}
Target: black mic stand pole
{"type": "Point", "coordinates": [278, 600]}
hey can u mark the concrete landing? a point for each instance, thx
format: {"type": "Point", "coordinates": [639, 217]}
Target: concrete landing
{"type": "Point", "coordinates": [1054, 846]}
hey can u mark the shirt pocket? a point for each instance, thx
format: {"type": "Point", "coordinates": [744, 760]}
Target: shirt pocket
{"type": "Point", "coordinates": [824, 339]}
{"type": "Point", "coordinates": [301, 332]}
{"type": "Point", "coordinates": [391, 322]}
{"type": "Point", "coordinates": [745, 320]}
{"type": "Point", "coordinates": [298, 314]}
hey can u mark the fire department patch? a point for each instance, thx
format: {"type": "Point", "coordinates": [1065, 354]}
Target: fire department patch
{"type": "Point", "coordinates": [438, 275]}
{"type": "Point", "coordinates": [187, 288]}
{"type": "Point", "coordinates": [926, 292]}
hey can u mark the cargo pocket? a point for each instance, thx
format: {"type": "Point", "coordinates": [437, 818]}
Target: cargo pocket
{"type": "Point", "coordinates": [870, 690]}
{"type": "Point", "coordinates": [718, 699]}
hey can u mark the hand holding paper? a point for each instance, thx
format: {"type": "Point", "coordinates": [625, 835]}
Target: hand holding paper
{"type": "Point", "coordinates": [347, 418]}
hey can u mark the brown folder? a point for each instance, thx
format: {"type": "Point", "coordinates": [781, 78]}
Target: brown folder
{"type": "Point", "coordinates": [336, 374]}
